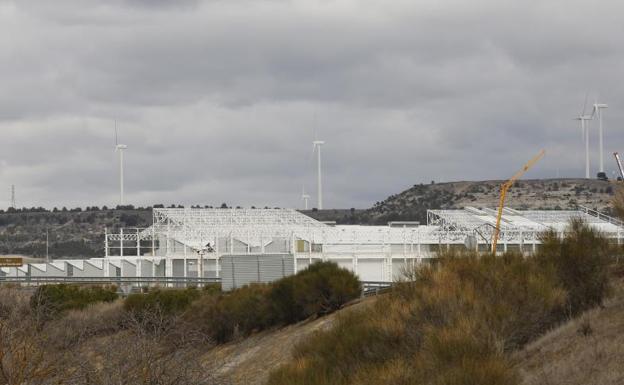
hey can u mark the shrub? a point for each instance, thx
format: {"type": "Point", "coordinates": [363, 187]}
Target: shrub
{"type": "Point", "coordinates": [452, 325]}
{"type": "Point", "coordinates": [320, 289]}
{"type": "Point", "coordinates": [50, 300]}
{"type": "Point", "coordinates": [324, 287]}
{"type": "Point", "coordinates": [76, 326]}
{"type": "Point", "coordinates": [285, 306]}
{"type": "Point", "coordinates": [227, 316]}
{"type": "Point", "coordinates": [581, 262]}
{"type": "Point", "coordinates": [168, 301]}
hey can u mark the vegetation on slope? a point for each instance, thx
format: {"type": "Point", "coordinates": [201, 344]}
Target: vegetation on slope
{"type": "Point", "coordinates": [50, 300]}
{"type": "Point", "coordinates": [83, 335]}
{"type": "Point", "coordinates": [320, 289]}
{"type": "Point", "coordinates": [74, 233]}
{"type": "Point", "coordinates": [457, 322]}
{"type": "Point", "coordinates": [589, 350]}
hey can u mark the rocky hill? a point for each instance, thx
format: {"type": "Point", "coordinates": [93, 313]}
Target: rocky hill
{"type": "Point", "coordinates": [540, 194]}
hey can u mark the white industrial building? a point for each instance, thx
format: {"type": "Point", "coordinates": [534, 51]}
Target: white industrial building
{"type": "Point", "coordinates": [209, 243]}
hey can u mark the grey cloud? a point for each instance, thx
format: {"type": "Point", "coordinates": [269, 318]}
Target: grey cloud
{"type": "Point", "coordinates": [217, 100]}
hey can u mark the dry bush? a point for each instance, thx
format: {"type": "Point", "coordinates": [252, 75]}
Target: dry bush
{"type": "Point", "coordinates": [50, 301]}
{"type": "Point", "coordinates": [618, 202]}
{"type": "Point", "coordinates": [452, 325]}
{"type": "Point", "coordinates": [138, 355]}
{"type": "Point", "coordinates": [25, 355]}
{"type": "Point", "coordinates": [581, 263]}
{"type": "Point", "coordinates": [98, 345]}
{"type": "Point", "coordinates": [77, 326]}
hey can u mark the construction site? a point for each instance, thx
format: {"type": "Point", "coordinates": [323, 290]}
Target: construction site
{"type": "Point", "coordinates": [241, 246]}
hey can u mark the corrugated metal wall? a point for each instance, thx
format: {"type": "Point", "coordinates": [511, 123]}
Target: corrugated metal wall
{"type": "Point", "coordinates": [241, 270]}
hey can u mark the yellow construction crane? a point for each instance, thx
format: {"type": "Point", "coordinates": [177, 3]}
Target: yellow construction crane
{"type": "Point", "coordinates": [503, 192]}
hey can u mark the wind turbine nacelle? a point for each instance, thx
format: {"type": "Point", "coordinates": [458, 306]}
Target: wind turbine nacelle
{"type": "Point", "coordinates": [318, 142]}
{"type": "Point", "coordinates": [121, 147]}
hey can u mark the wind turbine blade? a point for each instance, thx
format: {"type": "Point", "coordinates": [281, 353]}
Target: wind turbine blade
{"type": "Point", "coordinates": [116, 139]}
{"type": "Point", "coordinates": [585, 103]}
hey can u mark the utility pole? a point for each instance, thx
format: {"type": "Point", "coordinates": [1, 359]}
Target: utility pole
{"type": "Point", "coordinates": [13, 196]}
{"type": "Point", "coordinates": [47, 245]}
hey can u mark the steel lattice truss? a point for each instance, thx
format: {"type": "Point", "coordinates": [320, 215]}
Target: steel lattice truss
{"type": "Point", "coordinates": [197, 227]}
{"type": "Point", "coordinates": [204, 228]}
{"type": "Point", "coordinates": [519, 226]}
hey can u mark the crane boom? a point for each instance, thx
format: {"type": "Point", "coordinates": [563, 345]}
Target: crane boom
{"type": "Point", "coordinates": [619, 163]}
{"type": "Point", "coordinates": [503, 193]}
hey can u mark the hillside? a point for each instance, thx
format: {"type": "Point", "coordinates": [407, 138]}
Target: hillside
{"type": "Point", "coordinates": [588, 350]}
{"type": "Point", "coordinates": [72, 234]}
{"type": "Point", "coordinates": [541, 194]}
{"type": "Point", "coordinates": [249, 361]}
{"type": "Point", "coordinates": [562, 356]}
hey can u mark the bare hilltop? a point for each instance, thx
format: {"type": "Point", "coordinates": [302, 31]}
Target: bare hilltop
{"type": "Point", "coordinates": [538, 194]}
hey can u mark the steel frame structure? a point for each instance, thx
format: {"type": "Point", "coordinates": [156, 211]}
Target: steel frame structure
{"type": "Point", "coordinates": [253, 229]}
{"type": "Point", "coordinates": [192, 241]}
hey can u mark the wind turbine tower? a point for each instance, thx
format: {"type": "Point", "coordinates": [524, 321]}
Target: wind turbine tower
{"type": "Point", "coordinates": [317, 146]}
{"type": "Point", "coordinates": [585, 131]}
{"type": "Point", "coordinates": [305, 197]}
{"type": "Point", "coordinates": [13, 196]}
{"type": "Point", "coordinates": [598, 107]}
{"type": "Point", "coordinates": [120, 148]}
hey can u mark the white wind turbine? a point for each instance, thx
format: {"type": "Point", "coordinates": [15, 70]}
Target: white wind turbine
{"type": "Point", "coordinates": [598, 107]}
{"type": "Point", "coordinates": [319, 177]}
{"type": "Point", "coordinates": [583, 117]}
{"type": "Point", "coordinates": [305, 197]}
{"type": "Point", "coordinates": [120, 149]}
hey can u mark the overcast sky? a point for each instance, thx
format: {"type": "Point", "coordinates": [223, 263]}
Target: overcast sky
{"type": "Point", "coordinates": [218, 100]}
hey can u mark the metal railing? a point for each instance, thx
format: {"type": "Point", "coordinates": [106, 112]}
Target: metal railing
{"type": "Point", "coordinates": [601, 216]}
{"type": "Point", "coordinates": [370, 288]}
{"type": "Point", "coordinates": [133, 281]}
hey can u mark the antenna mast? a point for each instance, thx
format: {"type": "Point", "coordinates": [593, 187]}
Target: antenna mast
{"type": "Point", "coordinates": [13, 196]}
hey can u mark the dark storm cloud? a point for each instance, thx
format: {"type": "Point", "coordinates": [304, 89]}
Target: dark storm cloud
{"type": "Point", "coordinates": [218, 100]}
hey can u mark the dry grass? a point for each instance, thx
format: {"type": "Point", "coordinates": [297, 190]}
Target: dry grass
{"type": "Point", "coordinates": [458, 322]}
{"type": "Point", "coordinates": [567, 356]}
{"type": "Point", "coordinates": [452, 326]}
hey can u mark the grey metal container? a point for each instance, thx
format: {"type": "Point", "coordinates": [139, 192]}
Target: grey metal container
{"type": "Point", "coordinates": [241, 270]}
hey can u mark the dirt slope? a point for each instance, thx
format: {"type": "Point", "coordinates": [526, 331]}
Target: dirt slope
{"type": "Point", "coordinates": [564, 356]}
{"type": "Point", "coordinates": [567, 356]}
{"type": "Point", "coordinates": [249, 361]}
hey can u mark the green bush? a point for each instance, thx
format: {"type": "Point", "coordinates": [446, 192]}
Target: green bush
{"type": "Point", "coordinates": [49, 300]}
{"type": "Point", "coordinates": [452, 325]}
{"type": "Point", "coordinates": [324, 287]}
{"type": "Point", "coordinates": [581, 261]}
{"type": "Point", "coordinates": [238, 313]}
{"type": "Point", "coordinates": [168, 301]}
{"type": "Point", "coordinates": [318, 290]}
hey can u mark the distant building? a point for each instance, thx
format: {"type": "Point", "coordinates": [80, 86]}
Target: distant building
{"type": "Point", "coordinates": [265, 244]}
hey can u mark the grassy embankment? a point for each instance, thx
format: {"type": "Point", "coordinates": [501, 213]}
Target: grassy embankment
{"type": "Point", "coordinates": [459, 321]}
